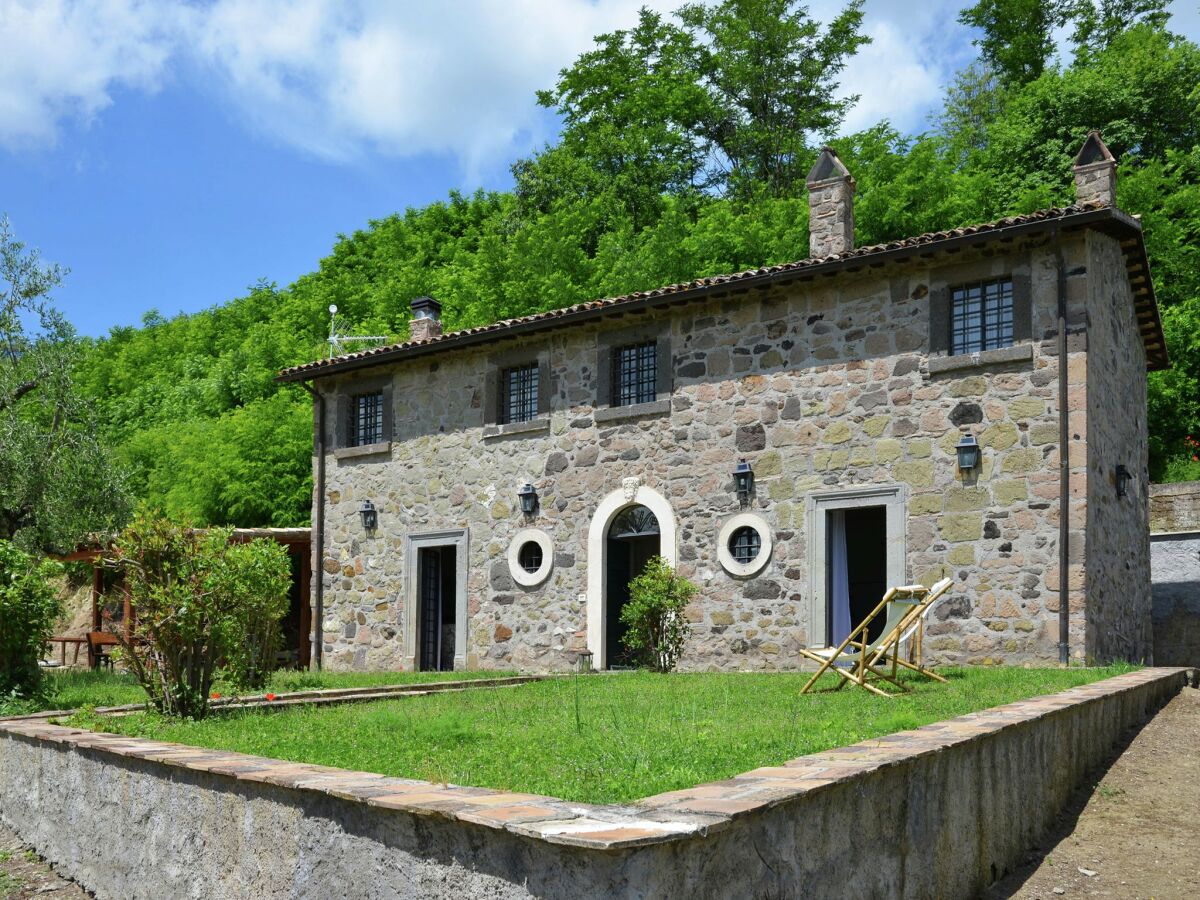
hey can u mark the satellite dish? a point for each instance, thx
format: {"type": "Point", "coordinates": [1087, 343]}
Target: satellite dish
{"type": "Point", "coordinates": [333, 308]}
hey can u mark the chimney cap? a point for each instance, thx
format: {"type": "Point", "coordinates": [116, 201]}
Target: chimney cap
{"type": "Point", "coordinates": [827, 167]}
{"type": "Point", "coordinates": [1093, 151]}
{"type": "Point", "coordinates": [426, 308]}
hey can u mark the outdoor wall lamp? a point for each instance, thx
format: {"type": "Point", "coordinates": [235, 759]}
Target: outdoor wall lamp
{"type": "Point", "coordinates": [370, 518]}
{"type": "Point", "coordinates": [1124, 476]}
{"type": "Point", "coordinates": [968, 453]}
{"type": "Point", "coordinates": [743, 479]}
{"type": "Point", "coordinates": [529, 499]}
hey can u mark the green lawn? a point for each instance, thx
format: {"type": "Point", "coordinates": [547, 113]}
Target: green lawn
{"type": "Point", "coordinates": [73, 688]}
{"type": "Point", "coordinates": [602, 738]}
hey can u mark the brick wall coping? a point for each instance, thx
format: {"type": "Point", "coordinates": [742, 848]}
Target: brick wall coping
{"type": "Point", "coordinates": [691, 812]}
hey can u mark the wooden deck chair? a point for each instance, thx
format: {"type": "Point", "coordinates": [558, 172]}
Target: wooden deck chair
{"type": "Point", "coordinates": [914, 635]}
{"type": "Point", "coordinates": [856, 660]}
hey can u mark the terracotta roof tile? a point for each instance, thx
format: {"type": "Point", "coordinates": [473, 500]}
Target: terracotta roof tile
{"type": "Point", "coordinates": [1152, 330]}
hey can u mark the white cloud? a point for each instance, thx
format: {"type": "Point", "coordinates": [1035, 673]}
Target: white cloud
{"type": "Point", "coordinates": [340, 79]}
{"type": "Point", "coordinates": [62, 59]}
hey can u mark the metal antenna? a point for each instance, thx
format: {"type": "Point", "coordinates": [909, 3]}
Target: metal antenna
{"type": "Point", "coordinates": [338, 342]}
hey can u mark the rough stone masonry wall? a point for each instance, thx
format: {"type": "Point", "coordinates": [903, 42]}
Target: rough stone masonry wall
{"type": "Point", "coordinates": [939, 811]}
{"type": "Point", "coordinates": [1119, 620]}
{"type": "Point", "coordinates": [821, 385]}
{"type": "Point", "coordinates": [1175, 570]}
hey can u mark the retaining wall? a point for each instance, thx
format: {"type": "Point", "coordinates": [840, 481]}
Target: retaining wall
{"type": "Point", "coordinates": [938, 811]}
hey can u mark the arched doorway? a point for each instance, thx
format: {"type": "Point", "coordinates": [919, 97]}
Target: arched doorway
{"type": "Point", "coordinates": [632, 493]}
{"type": "Point", "coordinates": [633, 538]}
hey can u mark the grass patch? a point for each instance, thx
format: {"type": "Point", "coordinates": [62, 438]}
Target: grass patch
{"type": "Point", "coordinates": [603, 738]}
{"type": "Point", "coordinates": [77, 688]}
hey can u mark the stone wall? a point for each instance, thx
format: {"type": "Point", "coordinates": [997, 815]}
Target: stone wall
{"type": "Point", "coordinates": [1175, 565]}
{"type": "Point", "coordinates": [940, 811]}
{"type": "Point", "coordinates": [1175, 507]}
{"type": "Point", "coordinates": [1117, 554]}
{"type": "Point", "coordinates": [822, 385]}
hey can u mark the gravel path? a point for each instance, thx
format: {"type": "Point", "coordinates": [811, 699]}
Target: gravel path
{"type": "Point", "coordinates": [1132, 833]}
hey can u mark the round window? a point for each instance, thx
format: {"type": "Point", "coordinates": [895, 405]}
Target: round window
{"type": "Point", "coordinates": [530, 556]}
{"type": "Point", "coordinates": [745, 545]}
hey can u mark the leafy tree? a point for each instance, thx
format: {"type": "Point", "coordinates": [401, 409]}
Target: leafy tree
{"type": "Point", "coordinates": [56, 479]}
{"type": "Point", "coordinates": [655, 629]}
{"type": "Point", "coordinates": [1017, 37]}
{"type": "Point", "coordinates": [772, 73]}
{"type": "Point", "coordinates": [630, 110]}
{"type": "Point", "coordinates": [1097, 25]}
{"type": "Point", "coordinates": [199, 602]}
{"type": "Point", "coordinates": [28, 610]}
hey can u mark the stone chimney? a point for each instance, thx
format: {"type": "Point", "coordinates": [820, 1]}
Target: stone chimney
{"type": "Point", "coordinates": [1095, 173]}
{"type": "Point", "coordinates": [830, 206]}
{"type": "Point", "coordinates": [426, 323]}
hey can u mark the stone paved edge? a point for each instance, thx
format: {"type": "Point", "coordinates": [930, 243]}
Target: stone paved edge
{"type": "Point", "coordinates": [313, 697]}
{"type": "Point", "coordinates": [691, 812]}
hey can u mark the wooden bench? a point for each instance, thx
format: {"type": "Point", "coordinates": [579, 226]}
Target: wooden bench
{"type": "Point", "coordinates": [62, 641]}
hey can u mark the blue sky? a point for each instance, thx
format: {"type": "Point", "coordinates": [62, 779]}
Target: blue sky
{"type": "Point", "coordinates": [172, 154]}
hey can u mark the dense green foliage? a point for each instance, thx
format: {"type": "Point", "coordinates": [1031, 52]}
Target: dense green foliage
{"type": "Point", "coordinates": [28, 610]}
{"type": "Point", "coordinates": [684, 142]}
{"type": "Point", "coordinates": [655, 628]}
{"type": "Point", "coordinates": [200, 602]}
{"type": "Point", "coordinates": [56, 479]}
{"type": "Point", "coordinates": [603, 738]}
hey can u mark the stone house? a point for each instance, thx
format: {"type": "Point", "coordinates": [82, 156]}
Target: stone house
{"type": "Point", "coordinates": [793, 439]}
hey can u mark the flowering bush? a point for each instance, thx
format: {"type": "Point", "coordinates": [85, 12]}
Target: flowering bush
{"type": "Point", "coordinates": [28, 610]}
{"type": "Point", "coordinates": [1185, 466]}
{"type": "Point", "coordinates": [199, 602]}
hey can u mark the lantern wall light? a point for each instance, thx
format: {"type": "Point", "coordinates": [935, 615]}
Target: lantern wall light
{"type": "Point", "coordinates": [968, 452]}
{"type": "Point", "coordinates": [743, 480]}
{"type": "Point", "coordinates": [1124, 476]}
{"type": "Point", "coordinates": [529, 499]}
{"type": "Point", "coordinates": [370, 518]}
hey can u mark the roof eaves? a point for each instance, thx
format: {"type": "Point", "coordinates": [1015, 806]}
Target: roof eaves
{"type": "Point", "coordinates": [1056, 218]}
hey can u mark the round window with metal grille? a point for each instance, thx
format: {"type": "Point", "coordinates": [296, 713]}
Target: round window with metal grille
{"type": "Point", "coordinates": [745, 545]}
{"type": "Point", "coordinates": [530, 556]}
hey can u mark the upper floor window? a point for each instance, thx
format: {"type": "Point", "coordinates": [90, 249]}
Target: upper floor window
{"type": "Point", "coordinates": [366, 419]}
{"type": "Point", "coordinates": [635, 374]}
{"type": "Point", "coordinates": [981, 316]}
{"type": "Point", "coordinates": [519, 394]}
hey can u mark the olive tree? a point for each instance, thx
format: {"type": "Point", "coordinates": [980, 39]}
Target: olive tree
{"type": "Point", "coordinates": [57, 482]}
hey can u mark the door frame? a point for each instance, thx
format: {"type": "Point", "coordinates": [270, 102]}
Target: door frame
{"type": "Point", "coordinates": [894, 499]}
{"type": "Point", "coordinates": [631, 493]}
{"type": "Point", "coordinates": [413, 544]}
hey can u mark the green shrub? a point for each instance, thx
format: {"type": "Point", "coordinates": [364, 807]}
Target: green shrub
{"type": "Point", "coordinates": [199, 602]}
{"type": "Point", "coordinates": [655, 627]}
{"type": "Point", "coordinates": [28, 610]}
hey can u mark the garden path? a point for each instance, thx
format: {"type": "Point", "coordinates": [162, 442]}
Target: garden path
{"type": "Point", "coordinates": [1130, 832]}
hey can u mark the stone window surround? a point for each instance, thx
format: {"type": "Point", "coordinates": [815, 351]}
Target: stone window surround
{"type": "Point", "coordinates": [631, 493]}
{"type": "Point", "coordinates": [607, 342]}
{"type": "Point", "coordinates": [413, 543]}
{"type": "Point", "coordinates": [340, 402]}
{"type": "Point", "coordinates": [516, 570]}
{"type": "Point", "coordinates": [756, 565]}
{"type": "Point", "coordinates": [496, 364]}
{"type": "Point", "coordinates": [894, 498]}
{"type": "Point", "coordinates": [944, 279]}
